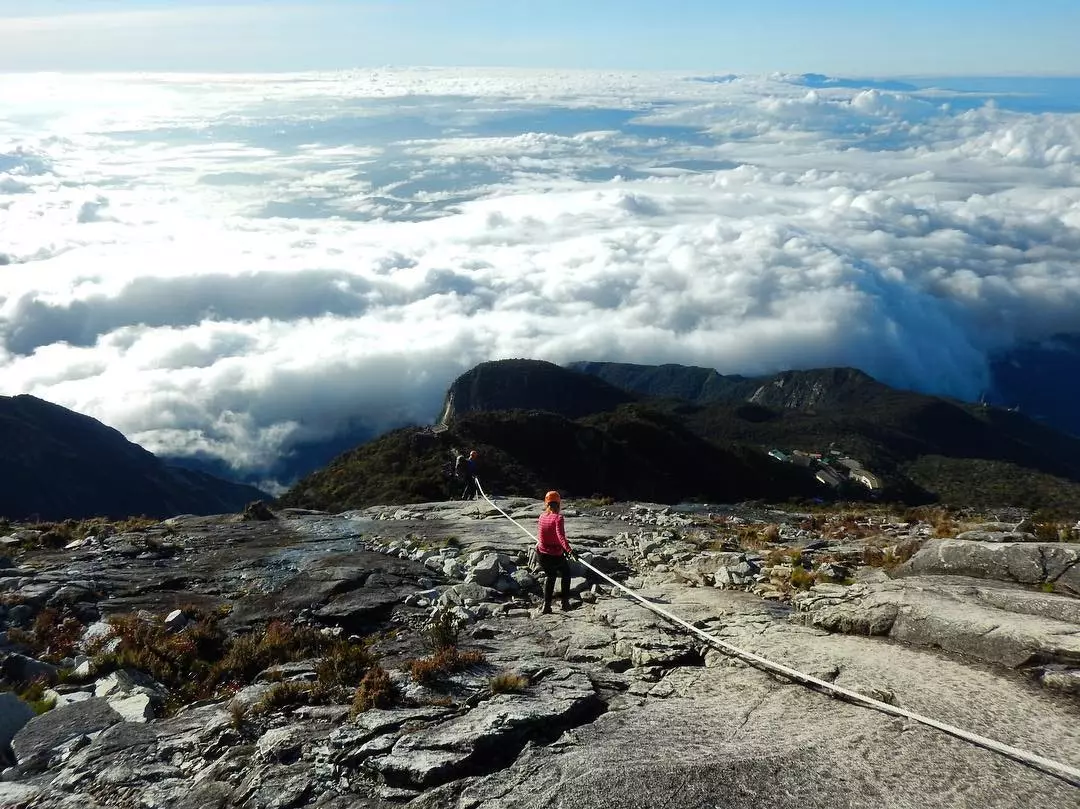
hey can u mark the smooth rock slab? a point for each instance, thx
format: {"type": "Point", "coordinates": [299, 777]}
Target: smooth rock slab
{"type": "Point", "coordinates": [42, 733]}
{"type": "Point", "coordinates": [1032, 563]}
{"type": "Point", "coordinates": [490, 734]}
{"type": "Point", "coordinates": [14, 714]}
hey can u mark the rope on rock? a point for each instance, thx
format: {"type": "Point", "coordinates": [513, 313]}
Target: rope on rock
{"type": "Point", "coordinates": [1066, 773]}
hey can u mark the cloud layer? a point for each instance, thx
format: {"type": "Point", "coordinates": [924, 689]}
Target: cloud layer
{"type": "Point", "coordinates": [230, 265]}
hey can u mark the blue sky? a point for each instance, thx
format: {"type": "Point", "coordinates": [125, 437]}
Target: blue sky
{"type": "Point", "coordinates": [917, 37]}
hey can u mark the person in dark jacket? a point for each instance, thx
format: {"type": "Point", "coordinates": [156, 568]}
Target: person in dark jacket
{"type": "Point", "coordinates": [553, 551]}
{"type": "Point", "coordinates": [468, 468]}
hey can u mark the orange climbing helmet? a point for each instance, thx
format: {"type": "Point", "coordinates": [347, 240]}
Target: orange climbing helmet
{"type": "Point", "coordinates": [552, 497]}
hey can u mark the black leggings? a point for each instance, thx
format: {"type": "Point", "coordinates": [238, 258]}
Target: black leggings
{"type": "Point", "coordinates": [552, 566]}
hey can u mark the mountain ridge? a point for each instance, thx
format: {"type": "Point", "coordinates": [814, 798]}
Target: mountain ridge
{"type": "Point", "coordinates": [711, 450]}
{"type": "Point", "coordinates": [60, 464]}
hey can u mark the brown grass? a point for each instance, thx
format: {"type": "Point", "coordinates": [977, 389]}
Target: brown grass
{"type": "Point", "coordinates": [445, 661]}
{"type": "Point", "coordinates": [286, 695]}
{"type": "Point", "coordinates": [892, 557]}
{"type": "Point", "coordinates": [508, 682]}
{"type": "Point", "coordinates": [802, 579]}
{"type": "Point", "coordinates": [376, 690]}
{"type": "Point", "coordinates": [55, 535]}
{"type": "Point", "coordinates": [202, 661]}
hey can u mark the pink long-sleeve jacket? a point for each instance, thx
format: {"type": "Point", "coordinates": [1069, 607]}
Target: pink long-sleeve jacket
{"type": "Point", "coordinates": [552, 535]}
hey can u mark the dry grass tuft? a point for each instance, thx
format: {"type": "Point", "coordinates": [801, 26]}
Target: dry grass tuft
{"type": "Point", "coordinates": [508, 682]}
{"type": "Point", "coordinates": [427, 670]}
{"type": "Point", "coordinates": [376, 690]}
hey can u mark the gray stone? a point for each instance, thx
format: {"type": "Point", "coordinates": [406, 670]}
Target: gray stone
{"type": "Point", "coordinates": [43, 733]}
{"type": "Point", "coordinates": [1062, 679]}
{"type": "Point", "coordinates": [525, 580]}
{"type": "Point", "coordinates": [14, 714]}
{"type": "Point", "coordinates": [279, 744]}
{"type": "Point", "coordinates": [983, 535]}
{"type": "Point", "coordinates": [60, 700]}
{"type": "Point", "coordinates": [485, 571]}
{"type": "Point", "coordinates": [22, 669]}
{"type": "Point", "coordinates": [70, 594]}
{"type": "Point", "coordinates": [467, 595]}
{"type": "Point", "coordinates": [490, 731]}
{"type": "Point", "coordinates": [20, 615]}
{"type": "Point", "coordinates": [947, 614]}
{"type": "Point", "coordinates": [1032, 563]}
{"type": "Point", "coordinates": [18, 795]}
{"type": "Point", "coordinates": [134, 707]}
{"type": "Point", "coordinates": [175, 621]}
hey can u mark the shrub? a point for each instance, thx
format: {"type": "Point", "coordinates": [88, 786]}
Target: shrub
{"type": "Point", "coordinates": [802, 579]}
{"type": "Point", "coordinates": [376, 691]}
{"type": "Point", "coordinates": [285, 695]}
{"type": "Point", "coordinates": [443, 629]}
{"type": "Point", "coordinates": [56, 633]}
{"type": "Point", "coordinates": [508, 682]}
{"type": "Point", "coordinates": [34, 694]}
{"type": "Point", "coordinates": [344, 665]}
{"type": "Point", "coordinates": [237, 714]}
{"type": "Point", "coordinates": [250, 654]}
{"type": "Point", "coordinates": [427, 670]}
{"type": "Point", "coordinates": [201, 661]}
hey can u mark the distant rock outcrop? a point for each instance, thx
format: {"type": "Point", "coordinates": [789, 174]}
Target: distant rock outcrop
{"type": "Point", "coordinates": [58, 464]}
{"type": "Point", "coordinates": [789, 390]}
{"type": "Point", "coordinates": [530, 385]}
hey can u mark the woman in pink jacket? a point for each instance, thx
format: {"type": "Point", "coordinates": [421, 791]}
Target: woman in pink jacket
{"type": "Point", "coordinates": [553, 551]}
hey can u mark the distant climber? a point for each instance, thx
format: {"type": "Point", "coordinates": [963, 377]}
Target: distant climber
{"type": "Point", "coordinates": [466, 470]}
{"type": "Point", "coordinates": [553, 551]}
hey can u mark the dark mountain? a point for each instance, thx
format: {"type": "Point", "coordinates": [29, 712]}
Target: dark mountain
{"type": "Point", "coordinates": [59, 464]}
{"type": "Point", "coordinates": [818, 388]}
{"type": "Point", "coordinates": [529, 385]}
{"type": "Point", "coordinates": [710, 443]}
{"type": "Point", "coordinates": [672, 381]}
{"type": "Point", "coordinates": [1041, 379]}
{"type": "Point", "coordinates": [633, 452]}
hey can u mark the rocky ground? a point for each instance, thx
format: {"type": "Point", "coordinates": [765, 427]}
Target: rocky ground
{"type": "Point", "coordinates": [168, 688]}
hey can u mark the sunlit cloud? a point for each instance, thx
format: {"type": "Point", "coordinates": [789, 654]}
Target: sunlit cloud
{"type": "Point", "coordinates": [229, 266]}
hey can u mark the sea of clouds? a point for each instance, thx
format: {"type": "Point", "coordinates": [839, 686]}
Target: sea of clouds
{"type": "Point", "coordinates": [233, 265]}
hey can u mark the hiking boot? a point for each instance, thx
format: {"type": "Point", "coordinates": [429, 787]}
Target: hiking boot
{"type": "Point", "coordinates": [566, 606]}
{"type": "Point", "coordinates": [546, 610]}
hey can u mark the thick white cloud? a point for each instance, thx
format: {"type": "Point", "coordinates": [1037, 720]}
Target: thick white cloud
{"type": "Point", "coordinates": [231, 265]}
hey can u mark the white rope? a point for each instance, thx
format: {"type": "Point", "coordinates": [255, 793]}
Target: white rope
{"type": "Point", "coordinates": [1057, 769]}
